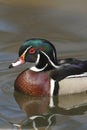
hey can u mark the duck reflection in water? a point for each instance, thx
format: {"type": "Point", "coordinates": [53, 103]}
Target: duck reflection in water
{"type": "Point", "coordinates": [39, 114]}
{"type": "Point", "coordinates": [37, 110]}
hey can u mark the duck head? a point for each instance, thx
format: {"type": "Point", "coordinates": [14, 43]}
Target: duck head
{"type": "Point", "coordinates": [39, 51]}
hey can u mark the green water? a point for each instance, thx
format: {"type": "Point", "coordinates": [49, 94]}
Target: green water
{"type": "Point", "coordinates": [64, 23]}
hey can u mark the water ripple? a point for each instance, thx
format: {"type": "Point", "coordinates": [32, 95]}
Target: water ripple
{"type": "Point", "coordinates": [8, 27]}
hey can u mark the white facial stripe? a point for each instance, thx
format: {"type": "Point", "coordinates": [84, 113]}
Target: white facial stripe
{"type": "Point", "coordinates": [50, 60]}
{"type": "Point", "coordinates": [38, 58]}
{"type": "Point", "coordinates": [20, 61]}
{"type": "Point", "coordinates": [27, 49]}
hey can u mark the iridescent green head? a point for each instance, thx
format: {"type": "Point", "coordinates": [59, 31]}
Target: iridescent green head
{"type": "Point", "coordinates": [37, 50]}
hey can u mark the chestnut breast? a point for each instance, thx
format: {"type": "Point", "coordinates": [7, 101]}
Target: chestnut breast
{"type": "Point", "coordinates": [33, 83]}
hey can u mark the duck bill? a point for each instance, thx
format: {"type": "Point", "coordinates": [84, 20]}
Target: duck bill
{"type": "Point", "coordinates": [20, 61]}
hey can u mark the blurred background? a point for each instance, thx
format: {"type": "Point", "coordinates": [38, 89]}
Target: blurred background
{"type": "Point", "coordinates": [62, 22]}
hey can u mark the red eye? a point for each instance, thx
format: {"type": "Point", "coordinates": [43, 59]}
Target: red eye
{"type": "Point", "coordinates": [32, 50]}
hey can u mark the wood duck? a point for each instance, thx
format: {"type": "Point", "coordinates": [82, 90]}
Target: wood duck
{"type": "Point", "coordinates": [48, 76]}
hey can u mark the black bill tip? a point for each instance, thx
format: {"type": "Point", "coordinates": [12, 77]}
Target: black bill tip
{"type": "Point", "coordinates": [10, 66]}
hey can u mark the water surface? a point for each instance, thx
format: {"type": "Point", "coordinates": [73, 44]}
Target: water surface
{"type": "Point", "coordinates": [65, 25]}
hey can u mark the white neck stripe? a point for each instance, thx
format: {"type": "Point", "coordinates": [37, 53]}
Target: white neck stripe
{"type": "Point", "coordinates": [34, 68]}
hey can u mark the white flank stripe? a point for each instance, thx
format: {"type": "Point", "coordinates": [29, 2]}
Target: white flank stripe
{"type": "Point", "coordinates": [78, 75]}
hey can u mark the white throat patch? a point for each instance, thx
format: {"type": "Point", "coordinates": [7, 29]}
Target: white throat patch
{"type": "Point", "coordinates": [34, 68]}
